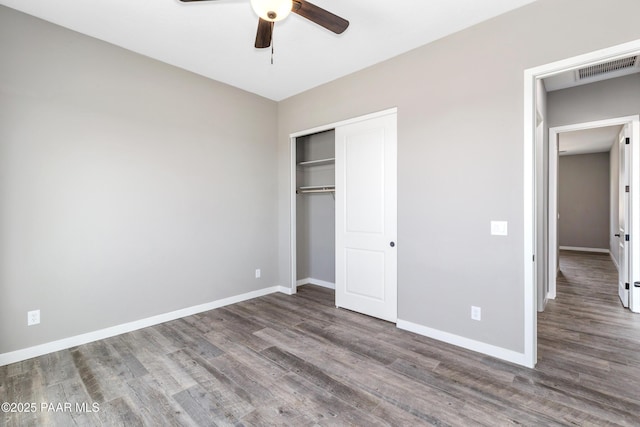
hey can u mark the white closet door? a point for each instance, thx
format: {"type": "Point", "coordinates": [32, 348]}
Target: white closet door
{"type": "Point", "coordinates": [366, 229]}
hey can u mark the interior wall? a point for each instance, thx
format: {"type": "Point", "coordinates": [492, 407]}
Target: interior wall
{"type": "Point", "coordinates": [128, 188]}
{"type": "Point", "coordinates": [583, 194]}
{"type": "Point", "coordinates": [607, 99]}
{"type": "Point", "coordinates": [316, 219]}
{"type": "Point", "coordinates": [460, 157]}
{"type": "Point", "coordinates": [619, 97]}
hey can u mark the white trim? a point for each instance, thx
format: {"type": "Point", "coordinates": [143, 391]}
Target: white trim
{"type": "Point", "coordinates": [580, 249]}
{"type": "Point", "coordinates": [293, 243]}
{"type": "Point", "coordinates": [292, 181]}
{"type": "Point", "coordinates": [285, 290]}
{"type": "Point", "coordinates": [553, 263]}
{"type": "Point", "coordinates": [529, 217]}
{"type": "Point", "coordinates": [334, 125]}
{"type": "Point", "coordinates": [634, 231]}
{"type": "Point", "coordinates": [594, 124]}
{"type": "Point", "coordinates": [317, 282]}
{"type": "Point", "coordinates": [65, 343]}
{"type": "Point", "coordinates": [554, 132]}
{"type": "Point", "coordinates": [530, 77]}
{"type": "Point", "coordinates": [613, 259]}
{"type": "Point", "coordinates": [591, 58]}
{"type": "Point", "coordinates": [469, 344]}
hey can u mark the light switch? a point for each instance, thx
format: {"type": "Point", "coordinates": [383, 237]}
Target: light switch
{"type": "Point", "coordinates": [499, 228]}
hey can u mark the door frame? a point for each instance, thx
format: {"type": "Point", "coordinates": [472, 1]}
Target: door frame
{"type": "Point", "coordinates": [554, 133]}
{"type": "Point", "coordinates": [292, 184]}
{"type": "Point", "coordinates": [531, 76]}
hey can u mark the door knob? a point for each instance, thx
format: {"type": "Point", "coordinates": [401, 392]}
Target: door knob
{"type": "Point", "coordinates": [392, 244]}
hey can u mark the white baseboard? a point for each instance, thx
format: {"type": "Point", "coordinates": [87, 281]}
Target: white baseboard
{"type": "Point", "coordinates": [469, 344]}
{"type": "Point", "coordinates": [317, 282]}
{"type": "Point", "coordinates": [65, 343]}
{"type": "Point", "coordinates": [613, 259]}
{"type": "Point", "coordinates": [285, 290]}
{"type": "Point", "coordinates": [579, 249]}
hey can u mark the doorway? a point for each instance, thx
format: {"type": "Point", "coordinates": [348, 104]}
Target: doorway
{"type": "Point", "coordinates": [534, 253]}
{"type": "Point", "coordinates": [597, 128]}
{"type": "Point", "coordinates": [365, 211]}
{"type": "Point", "coordinates": [315, 209]}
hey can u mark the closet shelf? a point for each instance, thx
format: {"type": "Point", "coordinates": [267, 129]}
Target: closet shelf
{"type": "Point", "coordinates": [317, 162]}
{"type": "Point", "coordinates": [316, 189]}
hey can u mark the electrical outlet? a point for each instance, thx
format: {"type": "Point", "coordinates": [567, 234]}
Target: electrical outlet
{"type": "Point", "coordinates": [257, 273]}
{"type": "Point", "coordinates": [476, 313]}
{"type": "Point", "coordinates": [33, 317]}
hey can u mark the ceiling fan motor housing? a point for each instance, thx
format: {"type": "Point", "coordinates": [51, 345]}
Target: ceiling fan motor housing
{"type": "Point", "coordinates": [272, 10]}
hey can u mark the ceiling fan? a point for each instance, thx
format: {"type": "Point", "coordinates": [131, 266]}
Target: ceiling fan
{"type": "Point", "coordinates": [271, 11]}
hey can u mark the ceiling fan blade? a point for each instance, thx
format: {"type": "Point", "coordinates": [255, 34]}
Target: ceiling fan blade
{"type": "Point", "coordinates": [320, 16]}
{"type": "Point", "coordinates": [265, 31]}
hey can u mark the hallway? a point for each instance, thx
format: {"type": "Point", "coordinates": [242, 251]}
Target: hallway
{"type": "Point", "coordinates": [587, 337]}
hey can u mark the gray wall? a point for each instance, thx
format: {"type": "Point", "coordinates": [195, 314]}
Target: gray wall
{"type": "Point", "coordinates": [316, 219]}
{"type": "Point", "coordinates": [598, 101]}
{"type": "Point", "coordinates": [128, 188]}
{"type": "Point", "coordinates": [583, 195]}
{"type": "Point", "coordinates": [460, 156]}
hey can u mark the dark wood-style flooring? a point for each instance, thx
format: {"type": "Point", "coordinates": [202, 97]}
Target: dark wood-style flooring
{"type": "Point", "coordinates": [297, 360]}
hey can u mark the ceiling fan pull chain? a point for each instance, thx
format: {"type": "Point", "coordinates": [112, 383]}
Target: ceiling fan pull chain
{"type": "Point", "coordinates": [272, 44]}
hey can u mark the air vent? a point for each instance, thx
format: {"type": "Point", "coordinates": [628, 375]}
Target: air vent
{"type": "Point", "coordinates": [607, 67]}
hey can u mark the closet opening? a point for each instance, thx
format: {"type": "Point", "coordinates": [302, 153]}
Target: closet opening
{"type": "Point", "coordinates": [315, 242]}
{"type": "Point", "coordinates": [343, 181]}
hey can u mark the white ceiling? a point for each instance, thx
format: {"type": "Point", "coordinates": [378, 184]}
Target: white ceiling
{"type": "Point", "coordinates": [595, 140]}
{"type": "Point", "coordinates": [215, 38]}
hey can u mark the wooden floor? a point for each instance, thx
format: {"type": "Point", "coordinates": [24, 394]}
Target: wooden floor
{"type": "Point", "coordinates": [296, 360]}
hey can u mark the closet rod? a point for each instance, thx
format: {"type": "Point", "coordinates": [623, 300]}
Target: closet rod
{"type": "Point", "coordinates": [315, 190]}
